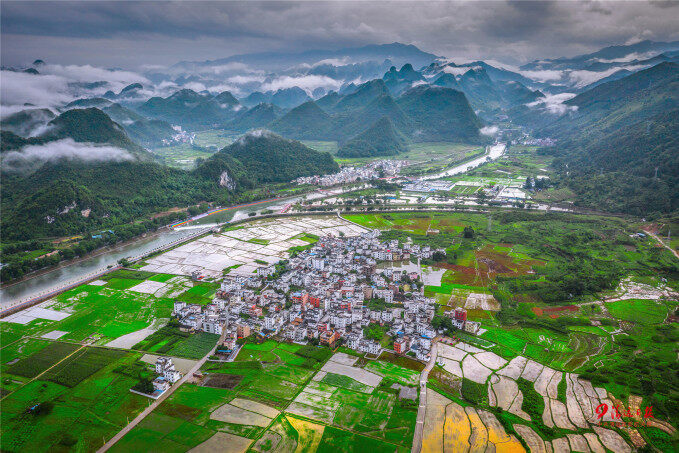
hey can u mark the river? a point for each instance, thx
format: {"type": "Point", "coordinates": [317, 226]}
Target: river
{"type": "Point", "coordinates": [492, 153]}
{"type": "Point", "coordinates": [61, 276]}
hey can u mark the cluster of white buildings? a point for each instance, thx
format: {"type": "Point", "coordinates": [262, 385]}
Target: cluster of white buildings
{"type": "Point", "coordinates": [180, 137]}
{"type": "Point", "coordinates": [421, 185]}
{"type": "Point", "coordinates": [540, 142]}
{"type": "Point", "coordinates": [333, 291]}
{"type": "Point", "coordinates": [373, 170]}
{"type": "Point", "coordinates": [167, 374]}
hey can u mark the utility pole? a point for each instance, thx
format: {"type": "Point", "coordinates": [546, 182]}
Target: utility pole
{"type": "Point", "coordinates": [656, 173]}
{"type": "Point", "coordinates": [490, 223]}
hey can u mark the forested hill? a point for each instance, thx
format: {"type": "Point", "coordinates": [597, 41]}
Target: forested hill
{"type": "Point", "coordinates": [70, 195]}
{"type": "Point", "coordinates": [423, 113]}
{"type": "Point", "coordinates": [620, 150]}
{"type": "Point", "coordinates": [264, 157]}
{"type": "Point", "coordinates": [612, 106]}
{"type": "Point", "coordinates": [618, 171]}
{"type": "Point", "coordinates": [381, 139]}
{"type": "Point", "coordinates": [89, 125]}
{"type": "Point", "coordinates": [441, 114]}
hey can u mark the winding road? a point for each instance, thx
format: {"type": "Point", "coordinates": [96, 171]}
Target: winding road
{"type": "Point", "coordinates": [655, 236]}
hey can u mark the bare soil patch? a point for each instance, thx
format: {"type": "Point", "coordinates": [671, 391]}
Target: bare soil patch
{"type": "Point", "coordinates": [222, 381]}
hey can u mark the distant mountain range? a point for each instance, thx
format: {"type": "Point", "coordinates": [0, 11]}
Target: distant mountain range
{"type": "Point", "coordinates": [423, 113]}
{"type": "Point", "coordinates": [607, 57]}
{"type": "Point", "coordinates": [191, 109]}
{"type": "Point", "coordinates": [285, 98]}
{"type": "Point", "coordinates": [399, 54]}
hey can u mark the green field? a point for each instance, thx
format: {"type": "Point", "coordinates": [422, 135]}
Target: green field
{"type": "Point", "coordinates": [330, 147]}
{"type": "Point", "coordinates": [639, 310]}
{"type": "Point", "coordinates": [182, 155]}
{"type": "Point", "coordinates": [214, 139]}
{"type": "Point", "coordinates": [183, 421]}
{"type": "Point", "coordinates": [180, 423]}
{"type": "Point", "coordinates": [200, 293]}
{"type": "Point", "coordinates": [339, 380]}
{"type": "Point", "coordinates": [44, 358]}
{"type": "Point", "coordinates": [377, 413]}
{"type": "Point", "coordinates": [394, 372]}
{"type": "Point", "coordinates": [103, 313]}
{"type": "Point", "coordinates": [171, 341]}
{"type": "Point", "coordinates": [429, 157]}
{"type": "Point", "coordinates": [94, 405]}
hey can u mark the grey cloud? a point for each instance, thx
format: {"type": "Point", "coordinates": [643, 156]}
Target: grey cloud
{"type": "Point", "coordinates": [32, 155]}
{"type": "Point", "coordinates": [164, 33]}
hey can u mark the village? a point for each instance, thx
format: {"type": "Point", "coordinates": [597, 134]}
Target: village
{"type": "Point", "coordinates": [372, 170]}
{"type": "Point", "coordinates": [329, 294]}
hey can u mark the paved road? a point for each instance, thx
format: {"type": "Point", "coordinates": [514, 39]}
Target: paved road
{"type": "Point", "coordinates": [419, 425]}
{"type": "Point", "coordinates": [160, 399]}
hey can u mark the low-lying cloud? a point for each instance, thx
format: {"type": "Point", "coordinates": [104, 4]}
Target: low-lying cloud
{"type": "Point", "coordinates": [34, 155]}
{"type": "Point", "coordinates": [57, 85]}
{"type": "Point", "coordinates": [456, 71]}
{"type": "Point", "coordinates": [545, 75]}
{"type": "Point", "coordinates": [308, 83]}
{"type": "Point", "coordinates": [490, 130]}
{"type": "Point", "coordinates": [19, 88]}
{"type": "Point", "coordinates": [554, 103]}
{"type": "Point", "coordinates": [629, 57]}
{"type": "Point", "coordinates": [89, 73]}
{"type": "Point", "coordinates": [583, 77]}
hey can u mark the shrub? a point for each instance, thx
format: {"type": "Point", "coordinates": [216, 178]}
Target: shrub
{"type": "Point", "coordinates": [474, 392]}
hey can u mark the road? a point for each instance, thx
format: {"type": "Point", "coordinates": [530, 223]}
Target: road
{"type": "Point", "coordinates": [655, 236]}
{"type": "Point", "coordinates": [424, 376]}
{"type": "Point", "coordinates": [160, 399]}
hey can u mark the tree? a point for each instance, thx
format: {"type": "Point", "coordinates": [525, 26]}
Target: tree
{"type": "Point", "coordinates": [442, 322]}
{"type": "Point", "coordinates": [468, 232]}
{"type": "Point", "coordinates": [144, 386]}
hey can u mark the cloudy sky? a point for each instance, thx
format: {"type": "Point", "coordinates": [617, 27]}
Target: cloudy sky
{"type": "Point", "coordinates": [132, 35]}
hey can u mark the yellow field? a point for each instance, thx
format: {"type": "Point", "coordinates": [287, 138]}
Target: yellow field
{"type": "Point", "coordinates": [310, 434]}
{"type": "Point", "coordinates": [451, 427]}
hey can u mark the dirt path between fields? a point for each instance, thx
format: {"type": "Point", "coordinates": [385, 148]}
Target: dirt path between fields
{"type": "Point", "coordinates": [419, 425]}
